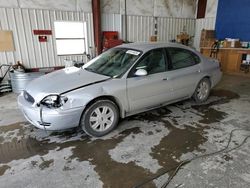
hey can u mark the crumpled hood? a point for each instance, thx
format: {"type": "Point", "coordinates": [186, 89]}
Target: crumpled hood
{"type": "Point", "coordinates": [61, 81]}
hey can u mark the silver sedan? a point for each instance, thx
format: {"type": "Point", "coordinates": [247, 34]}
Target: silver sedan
{"type": "Point", "coordinates": [123, 81]}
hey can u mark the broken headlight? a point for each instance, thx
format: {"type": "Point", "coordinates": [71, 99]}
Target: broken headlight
{"type": "Point", "coordinates": [54, 101]}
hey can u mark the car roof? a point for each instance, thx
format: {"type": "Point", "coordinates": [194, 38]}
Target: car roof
{"type": "Point", "coordinates": [146, 46]}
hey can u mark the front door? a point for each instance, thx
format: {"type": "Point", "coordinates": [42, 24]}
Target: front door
{"type": "Point", "coordinates": [153, 89]}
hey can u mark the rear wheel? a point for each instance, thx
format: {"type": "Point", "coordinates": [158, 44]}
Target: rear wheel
{"type": "Point", "coordinates": [202, 91]}
{"type": "Point", "coordinates": [100, 118]}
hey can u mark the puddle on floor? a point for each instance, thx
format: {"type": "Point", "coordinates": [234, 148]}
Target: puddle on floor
{"type": "Point", "coordinates": [46, 164]}
{"type": "Point", "coordinates": [23, 149]}
{"type": "Point", "coordinates": [211, 115]}
{"type": "Point", "coordinates": [224, 96]}
{"type": "Point", "coordinates": [97, 152]}
{"type": "Point", "coordinates": [177, 143]}
{"type": "Point", "coordinates": [12, 127]}
{"type": "Point", "coordinates": [3, 168]}
{"type": "Point", "coordinates": [112, 173]}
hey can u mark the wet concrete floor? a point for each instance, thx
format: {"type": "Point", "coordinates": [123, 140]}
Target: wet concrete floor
{"type": "Point", "coordinates": [142, 146]}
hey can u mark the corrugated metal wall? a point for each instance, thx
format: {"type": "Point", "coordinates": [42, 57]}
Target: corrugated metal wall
{"type": "Point", "coordinates": [168, 28]}
{"type": "Point", "coordinates": [28, 49]}
{"type": "Point", "coordinates": [112, 22]}
{"type": "Point", "coordinates": [205, 23]}
{"type": "Point", "coordinates": [140, 28]}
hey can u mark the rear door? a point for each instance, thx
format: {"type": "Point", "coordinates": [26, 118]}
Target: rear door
{"type": "Point", "coordinates": [153, 89]}
{"type": "Point", "coordinates": [184, 71]}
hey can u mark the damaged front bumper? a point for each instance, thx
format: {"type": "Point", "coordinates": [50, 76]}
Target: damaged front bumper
{"type": "Point", "coordinates": [52, 119]}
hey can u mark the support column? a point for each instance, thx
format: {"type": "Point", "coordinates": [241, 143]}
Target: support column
{"type": "Point", "coordinates": [97, 25]}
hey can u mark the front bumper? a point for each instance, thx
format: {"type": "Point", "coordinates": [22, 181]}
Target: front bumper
{"type": "Point", "coordinates": [54, 119]}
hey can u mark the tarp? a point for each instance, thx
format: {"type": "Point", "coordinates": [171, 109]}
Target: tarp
{"type": "Point", "coordinates": [233, 19]}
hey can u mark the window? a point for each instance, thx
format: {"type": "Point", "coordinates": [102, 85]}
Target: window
{"type": "Point", "coordinates": [70, 39]}
{"type": "Point", "coordinates": [153, 62]}
{"type": "Point", "coordinates": [182, 58]}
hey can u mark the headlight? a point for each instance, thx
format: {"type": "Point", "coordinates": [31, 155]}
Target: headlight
{"type": "Point", "coordinates": [54, 101]}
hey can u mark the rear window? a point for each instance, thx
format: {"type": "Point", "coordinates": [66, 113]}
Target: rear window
{"type": "Point", "coordinates": [182, 58]}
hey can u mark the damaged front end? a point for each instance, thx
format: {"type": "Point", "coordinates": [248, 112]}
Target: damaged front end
{"type": "Point", "coordinates": [53, 101]}
{"type": "Point", "coordinates": [50, 101]}
{"type": "Point", "coordinates": [52, 112]}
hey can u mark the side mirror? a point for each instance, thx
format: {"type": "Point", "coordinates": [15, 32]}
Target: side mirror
{"type": "Point", "coordinates": [141, 72]}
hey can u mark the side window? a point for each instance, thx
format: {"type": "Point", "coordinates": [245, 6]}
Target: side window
{"type": "Point", "coordinates": [153, 62]}
{"type": "Point", "coordinates": [182, 58]}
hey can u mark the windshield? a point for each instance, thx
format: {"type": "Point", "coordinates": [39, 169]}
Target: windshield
{"type": "Point", "coordinates": [113, 63]}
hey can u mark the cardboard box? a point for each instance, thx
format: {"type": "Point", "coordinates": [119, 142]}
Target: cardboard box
{"type": "Point", "coordinates": [207, 38]}
{"type": "Point", "coordinates": [153, 38]}
{"type": "Point", "coordinates": [207, 34]}
{"type": "Point", "coordinates": [207, 43]}
{"type": "Point", "coordinates": [230, 44]}
{"type": "Point", "coordinates": [183, 37]}
{"type": "Point", "coordinates": [6, 41]}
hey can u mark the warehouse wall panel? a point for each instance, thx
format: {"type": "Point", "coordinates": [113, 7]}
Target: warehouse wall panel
{"type": "Point", "coordinates": [168, 28]}
{"type": "Point", "coordinates": [9, 3]}
{"type": "Point", "coordinates": [67, 5]}
{"type": "Point", "coordinates": [112, 22]}
{"type": "Point", "coordinates": [27, 47]}
{"type": "Point", "coordinates": [205, 23]}
{"type": "Point", "coordinates": [158, 8]}
{"type": "Point", "coordinates": [175, 8]}
{"type": "Point", "coordinates": [139, 28]}
{"type": "Point", "coordinates": [211, 10]}
{"type": "Point", "coordinates": [62, 5]}
{"type": "Point", "coordinates": [111, 6]}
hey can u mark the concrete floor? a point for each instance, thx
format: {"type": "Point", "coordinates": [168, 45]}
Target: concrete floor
{"type": "Point", "coordinates": [142, 146]}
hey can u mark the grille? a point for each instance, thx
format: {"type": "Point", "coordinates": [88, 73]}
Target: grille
{"type": "Point", "coordinates": [28, 97]}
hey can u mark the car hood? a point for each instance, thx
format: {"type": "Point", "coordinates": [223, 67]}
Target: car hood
{"type": "Point", "coordinates": [62, 81]}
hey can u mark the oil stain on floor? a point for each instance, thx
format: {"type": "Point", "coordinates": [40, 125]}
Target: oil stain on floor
{"type": "Point", "coordinates": [113, 173]}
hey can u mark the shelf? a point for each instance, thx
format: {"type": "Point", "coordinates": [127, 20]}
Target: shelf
{"type": "Point", "coordinates": [230, 59]}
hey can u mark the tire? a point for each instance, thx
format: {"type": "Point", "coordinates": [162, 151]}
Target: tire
{"type": "Point", "coordinates": [100, 118]}
{"type": "Point", "coordinates": [202, 91]}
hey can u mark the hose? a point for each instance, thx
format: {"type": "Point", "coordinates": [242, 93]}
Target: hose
{"type": "Point", "coordinates": [178, 167]}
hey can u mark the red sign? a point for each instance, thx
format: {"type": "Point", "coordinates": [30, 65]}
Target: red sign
{"type": "Point", "coordinates": [42, 39]}
{"type": "Point", "coordinates": [42, 32]}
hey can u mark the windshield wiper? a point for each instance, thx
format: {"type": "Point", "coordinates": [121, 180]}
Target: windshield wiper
{"type": "Point", "coordinates": [92, 70]}
{"type": "Point", "coordinates": [89, 69]}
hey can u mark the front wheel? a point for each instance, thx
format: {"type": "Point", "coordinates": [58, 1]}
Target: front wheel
{"type": "Point", "coordinates": [100, 118]}
{"type": "Point", "coordinates": [202, 91]}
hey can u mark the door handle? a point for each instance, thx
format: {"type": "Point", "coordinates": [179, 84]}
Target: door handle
{"type": "Point", "coordinates": [165, 79]}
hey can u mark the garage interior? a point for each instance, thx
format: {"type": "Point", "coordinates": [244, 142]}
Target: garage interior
{"type": "Point", "coordinates": [180, 145]}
